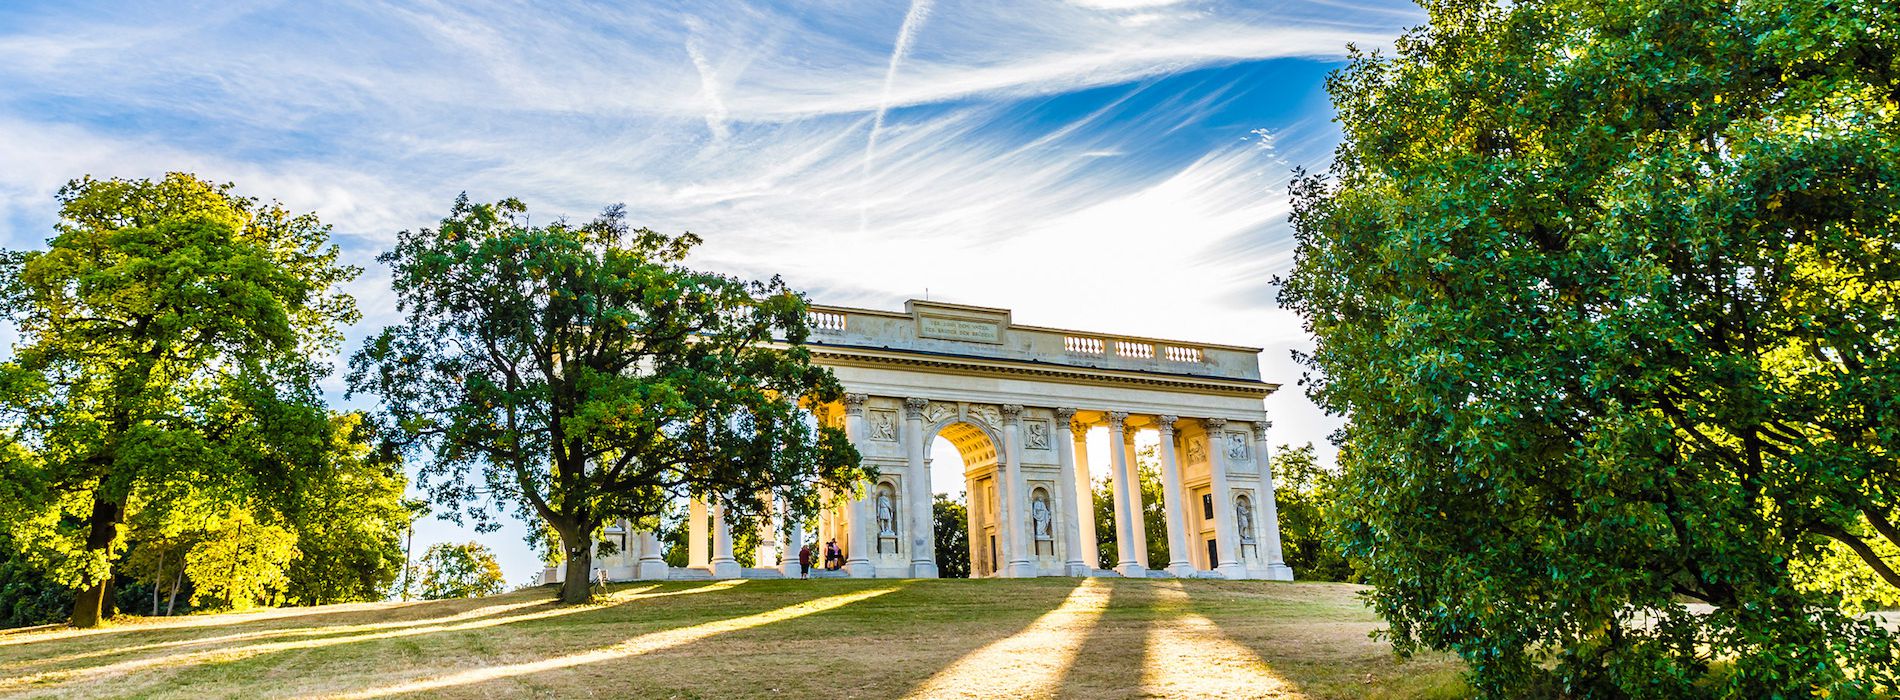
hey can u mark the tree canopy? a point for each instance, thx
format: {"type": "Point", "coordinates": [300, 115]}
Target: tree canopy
{"type": "Point", "coordinates": [460, 571]}
{"type": "Point", "coordinates": [1608, 292]}
{"type": "Point", "coordinates": [582, 374]}
{"type": "Point", "coordinates": [167, 336]}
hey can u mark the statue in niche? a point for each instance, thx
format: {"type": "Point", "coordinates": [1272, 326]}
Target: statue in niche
{"type": "Point", "coordinates": [886, 514]}
{"type": "Point", "coordinates": [884, 426]}
{"type": "Point", "coordinates": [1039, 513]}
{"type": "Point", "coordinates": [1196, 451]}
{"type": "Point", "coordinates": [1236, 447]}
{"type": "Point", "coordinates": [1036, 435]}
{"type": "Point", "coordinates": [1243, 519]}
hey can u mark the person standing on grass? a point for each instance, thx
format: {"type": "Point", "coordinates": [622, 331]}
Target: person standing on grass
{"type": "Point", "coordinates": [804, 561]}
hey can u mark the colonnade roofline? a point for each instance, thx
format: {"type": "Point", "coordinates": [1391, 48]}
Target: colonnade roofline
{"type": "Point", "coordinates": [961, 338]}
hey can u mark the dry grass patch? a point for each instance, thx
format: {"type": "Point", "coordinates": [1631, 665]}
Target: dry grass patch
{"type": "Point", "coordinates": [1095, 638]}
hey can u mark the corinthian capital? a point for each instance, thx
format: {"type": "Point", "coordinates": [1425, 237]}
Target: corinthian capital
{"type": "Point", "coordinates": [854, 404]}
{"type": "Point", "coordinates": [914, 408]}
{"type": "Point", "coordinates": [1165, 424]}
{"type": "Point", "coordinates": [1260, 431]}
{"type": "Point", "coordinates": [1116, 420]}
{"type": "Point", "coordinates": [1064, 415]}
{"type": "Point", "coordinates": [1213, 425]}
{"type": "Point", "coordinates": [1012, 413]}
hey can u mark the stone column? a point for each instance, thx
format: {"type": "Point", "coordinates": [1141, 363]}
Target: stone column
{"type": "Point", "coordinates": [1138, 511]}
{"type": "Point", "coordinates": [1277, 570]}
{"type": "Point", "coordinates": [696, 535]}
{"type": "Point", "coordinates": [1085, 497]}
{"type": "Point", "coordinates": [652, 563]}
{"type": "Point", "coordinates": [923, 543]}
{"type": "Point", "coordinates": [863, 523]}
{"type": "Point", "coordinates": [794, 532]}
{"type": "Point", "coordinates": [1129, 565]}
{"type": "Point", "coordinates": [1072, 564]}
{"type": "Point", "coordinates": [765, 556]}
{"type": "Point", "coordinates": [1226, 536]}
{"type": "Point", "coordinates": [1174, 501]}
{"type": "Point", "coordinates": [1021, 565]}
{"type": "Point", "coordinates": [723, 565]}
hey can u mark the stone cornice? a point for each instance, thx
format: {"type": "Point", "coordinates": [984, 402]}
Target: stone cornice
{"type": "Point", "coordinates": [824, 353]}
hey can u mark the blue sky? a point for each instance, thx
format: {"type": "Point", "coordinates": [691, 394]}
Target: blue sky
{"type": "Point", "coordinates": [1111, 165]}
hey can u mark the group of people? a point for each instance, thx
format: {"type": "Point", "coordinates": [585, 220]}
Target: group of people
{"type": "Point", "coordinates": [834, 558]}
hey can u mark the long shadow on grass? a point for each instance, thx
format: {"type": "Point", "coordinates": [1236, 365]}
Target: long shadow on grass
{"type": "Point", "coordinates": [185, 638]}
{"type": "Point", "coordinates": [255, 652]}
{"type": "Point", "coordinates": [874, 646]}
{"type": "Point", "coordinates": [1108, 663]}
{"type": "Point", "coordinates": [609, 663]}
{"type": "Point", "coordinates": [1319, 642]}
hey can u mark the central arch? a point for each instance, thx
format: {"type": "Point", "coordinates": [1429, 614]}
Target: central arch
{"type": "Point", "coordinates": [978, 447]}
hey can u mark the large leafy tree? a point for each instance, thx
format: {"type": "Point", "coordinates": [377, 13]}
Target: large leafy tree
{"type": "Point", "coordinates": [1608, 292]}
{"type": "Point", "coordinates": [460, 571]}
{"type": "Point", "coordinates": [582, 374]}
{"type": "Point", "coordinates": [349, 516]}
{"type": "Point", "coordinates": [166, 336]}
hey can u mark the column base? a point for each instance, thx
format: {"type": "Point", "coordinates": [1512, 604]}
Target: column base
{"type": "Point", "coordinates": [1075, 569]}
{"type": "Point", "coordinates": [860, 568]}
{"type": "Point", "coordinates": [1279, 572]}
{"type": "Point", "coordinates": [726, 568]}
{"type": "Point", "coordinates": [1181, 569]}
{"type": "Point", "coordinates": [1129, 569]}
{"type": "Point", "coordinates": [650, 570]}
{"type": "Point", "coordinates": [1021, 569]}
{"type": "Point", "coordinates": [923, 569]}
{"type": "Point", "coordinates": [1232, 571]}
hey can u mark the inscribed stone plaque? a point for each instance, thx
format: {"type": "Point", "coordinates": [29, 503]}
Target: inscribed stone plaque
{"type": "Point", "coordinates": [963, 329]}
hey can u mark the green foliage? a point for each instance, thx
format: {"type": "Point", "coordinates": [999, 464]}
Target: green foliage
{"type": "Point", "coordinates": [27, 596]}
{"type": "Point", "coordinates": [582, 374]}
{"type": "Point", "coordinates": [460, 571]}
{"type": "Point", "coordinates": [1304, 493]}
{"type": "Point", "coordinates": [349, 517]}
{"type": "Point", "coordinates": [165, 333]}
{"type": "Point", "coordinates": [1608, 293]}
{"type": "Point", "coordinates": [952, 524]}
{"type": "Point", "coordinates": [241, 563]}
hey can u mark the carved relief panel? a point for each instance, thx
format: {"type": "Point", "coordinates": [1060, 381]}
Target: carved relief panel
{"type": "Point", "coordinates": [884, 425]}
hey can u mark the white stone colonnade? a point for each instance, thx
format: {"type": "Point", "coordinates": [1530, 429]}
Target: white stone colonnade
{"type": "Point", "coordinates": [1019, 403]}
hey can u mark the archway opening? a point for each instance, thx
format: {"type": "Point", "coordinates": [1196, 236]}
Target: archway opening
{"type": "Point", "coordinates": [966, 506]}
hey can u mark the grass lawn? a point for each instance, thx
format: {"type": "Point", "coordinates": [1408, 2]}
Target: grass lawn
{"type": "Point", "coordinates": [1093, 638]}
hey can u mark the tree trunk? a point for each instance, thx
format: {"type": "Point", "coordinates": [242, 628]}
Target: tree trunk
{"type": "Point", "coordinates": [171, 601]}
{"type": "Point", "coordinates": [158, 577]}
{"type": "Point", "coordinates": [90, 607]}
{"type": "Point", "coordinates": [408, 547]}
{"type": "Point", "coordinates": [577, 583]}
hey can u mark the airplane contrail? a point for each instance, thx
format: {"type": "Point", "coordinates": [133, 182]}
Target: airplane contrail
{"type": "Point", "coordinates": [906, 34]}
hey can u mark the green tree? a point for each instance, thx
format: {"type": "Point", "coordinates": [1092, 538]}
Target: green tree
{"type": "Point", "coordinates": [165, 336]}
{"type": "Point", "coordinates": [240, 563]}
{"type": "Point", "coordinates": [582, 374]}
{"type": "Point", "coordinates": [952, 520]}
{"type": "Point", "coordinates": [460, 571]}
{"type": "Point", "coordinates": [349, 517]}
{"type": "Point", "coordinates": [1607, 292]}
{"type": "Point", "coordinates": [1304, 493]}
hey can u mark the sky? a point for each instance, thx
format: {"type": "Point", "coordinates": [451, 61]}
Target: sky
{"type": "Point", "coordinates": [1118, 166]}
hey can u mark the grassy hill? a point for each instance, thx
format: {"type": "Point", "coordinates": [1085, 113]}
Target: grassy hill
{"type": "Point", "coordinates": [1095, 638]}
